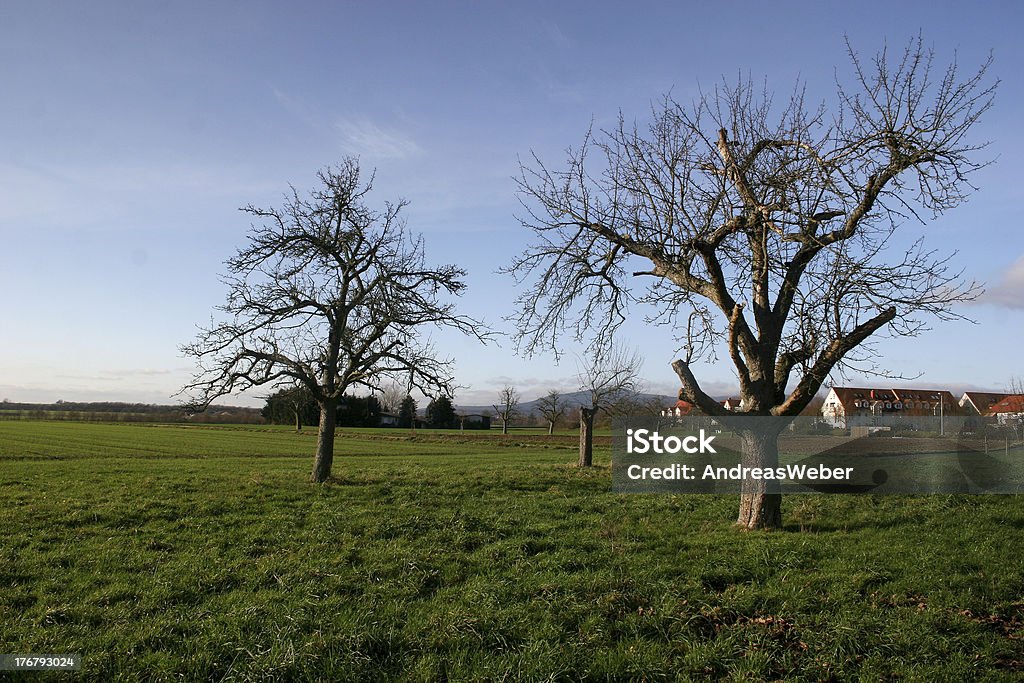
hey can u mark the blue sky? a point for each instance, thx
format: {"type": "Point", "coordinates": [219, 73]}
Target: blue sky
{"type": "Point", "coordinates": [132, 132]}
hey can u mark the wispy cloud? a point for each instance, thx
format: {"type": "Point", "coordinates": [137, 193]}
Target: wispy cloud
{"type": "Point", "coordinates": [554, 34]}
{"type": "Point", "coordinates": [142, 372]}
{"type": "Point", "coordinates": [302, 110]}
{"type": "Point", "coordinates": [1009, 291]}
{"type": "Point", "coordinates": [86, 193]}
{"type": "Point", "coordinates": [365, 138]}
{"type": "Point", "coordinates": [122, 374]}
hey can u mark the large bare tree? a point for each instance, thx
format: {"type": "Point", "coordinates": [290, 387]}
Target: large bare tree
{"type": "Point", "coordinates": [763, 230]}
{"type": "Point", "coordinates": [332, 295]}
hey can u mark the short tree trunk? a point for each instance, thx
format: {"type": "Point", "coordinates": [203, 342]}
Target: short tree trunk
{"type": "Point", "coordinates": [504, 426]}
{"type": "Point", "coordinates": [587, 436]}
{"type": "Point", "coordinates": [298, 420]}
{"type": "Point", "coordinates": [551, 427]}
{"type": "Point", "coordinates": [760, 499]}
{"type": "Point", "coordinates": [325, 442]}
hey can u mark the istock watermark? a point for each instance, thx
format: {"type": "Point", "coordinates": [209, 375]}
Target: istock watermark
{"type": "Point", "coordinates": [647, 441]}
{"type": "Point", "coordinates": [874, 454]}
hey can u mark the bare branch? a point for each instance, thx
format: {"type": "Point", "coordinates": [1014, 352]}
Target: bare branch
{"type": "Point", "coordinates": [609, 375]}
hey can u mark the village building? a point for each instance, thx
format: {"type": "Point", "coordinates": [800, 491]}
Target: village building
{"type": "Point", "coordinates": [1008, 410]}
{"type": "Point", "coordinates": [684, 408]}
{"type": "Point", "coordinates": [979, 402]}
{"type": "Point", "coordinates": [680, 409]}
{"type": "Point", "coordinates": [845, 406]}
{"type": "Point", "coordinates": [474, 421]}
{"type": "Point", "coordinates": [733, 404]}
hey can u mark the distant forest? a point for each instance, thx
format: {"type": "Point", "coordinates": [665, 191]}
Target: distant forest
{"type": "Point", "coordinates": [110, 411]}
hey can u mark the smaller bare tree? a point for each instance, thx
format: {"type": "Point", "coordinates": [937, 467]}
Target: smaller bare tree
{"type": "Point", "coordinates": [610, 375]}
{"type": "Point", "coordinates": [507, 407]}
{"type": "Point", "coordinates": [638, 405]}
{"type": "Point", "coordinates": [298, 398]}
{"type": "Point", "coordinates": [551, 407]}
{"type": "Point", "coordinates": [391, 397]}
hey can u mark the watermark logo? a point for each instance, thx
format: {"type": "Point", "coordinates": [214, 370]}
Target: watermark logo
{"type": "Point", "coordinates": [642, 441]}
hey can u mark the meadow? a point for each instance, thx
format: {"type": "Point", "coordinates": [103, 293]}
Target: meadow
{"type": "Point", "coordinates": [203, 553]}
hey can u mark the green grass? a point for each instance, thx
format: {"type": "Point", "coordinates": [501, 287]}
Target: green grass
{"type": "Point", "coordinates": [170, 553]}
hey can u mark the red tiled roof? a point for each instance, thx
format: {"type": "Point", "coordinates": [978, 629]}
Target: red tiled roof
{"type": "Point", "coordinates": [683, 407]}
{"type": "Point", "coordinates": [908, 398]}
{"type": "Point", "coordinates": [984, 400]}
{"type": "Point", "coordinates": [1010, 404]}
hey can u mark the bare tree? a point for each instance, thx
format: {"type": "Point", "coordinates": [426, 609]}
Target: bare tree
{"type": "Point", "coordinates": [507, 407]}
{"type": "Point", "coordinates": [551, 407]}
{"type": "Point", "coordinates": [298, 400]}
{"type": "Point", "coordinates": [329, 294]}
{"type": "Point", "coordinates": [770, 231]}
{"type": "Point", "coordinates": [639, 405]}
{"type": "Point", "coordinates": [391, 397]}
{"type": "Point", "coordinates": [609, 378]}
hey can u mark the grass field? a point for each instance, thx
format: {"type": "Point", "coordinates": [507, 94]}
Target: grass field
{"type": "Point", "coordinates": [189, 553]}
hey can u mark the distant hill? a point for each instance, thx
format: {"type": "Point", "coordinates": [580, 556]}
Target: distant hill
{"type": "Point", "coordinates": [573, 399]}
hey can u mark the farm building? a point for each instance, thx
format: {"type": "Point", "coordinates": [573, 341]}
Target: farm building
{"type": "Point", "coordinates": [474, 421]}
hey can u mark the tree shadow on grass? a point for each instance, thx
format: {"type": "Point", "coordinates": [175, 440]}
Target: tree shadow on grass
{"type": "Point", "coordinates": [821, 527]}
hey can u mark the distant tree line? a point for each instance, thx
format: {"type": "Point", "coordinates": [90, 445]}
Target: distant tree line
{"type": "Point", "coordinates": [110, 411]}
{"type": "Point", "coordinates": [297, 406]}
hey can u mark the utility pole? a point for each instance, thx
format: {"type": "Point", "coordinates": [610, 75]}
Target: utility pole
{"type": "Point", "coordinates": [941, 406]}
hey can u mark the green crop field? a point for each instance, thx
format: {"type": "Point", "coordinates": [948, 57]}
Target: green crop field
{"type": "Point", "coordinates": [203, 553]}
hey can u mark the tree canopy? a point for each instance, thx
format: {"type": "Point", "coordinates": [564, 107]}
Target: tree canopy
{"type": "Point", "coordinates": [441, 413]}
{"type": "Point", "coordinates": [763, 230]}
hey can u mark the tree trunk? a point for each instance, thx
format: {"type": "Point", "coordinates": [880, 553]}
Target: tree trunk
{"type": "Point", "coordinates": [760, 500]}
{"type": "Point", "coordinates": [298, 419]}
{"type": "Point", "coordinates": [551, 427]}
{"type": "Point", "coordinates": [504, 426]}
{"type": "Point", "coordinates": [587, 436]}
{"type": "Point", "coordinates": [325, 442]}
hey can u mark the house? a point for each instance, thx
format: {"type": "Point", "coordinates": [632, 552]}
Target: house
{"type": "Point", "coordinates": [680, 409]}
{"type": "Point", "coordinates": [1010, 409]}
{"type": "Point", "coordinates": [980, 402]}
{"type": "Point", "coordinates": [684, 408]}
{"type": "Point", "coordinates": [388, 420]}
{"type": "Point", "coordinates": [733, 404]}
{"type": "Point", "coordinates": [844, 403]}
